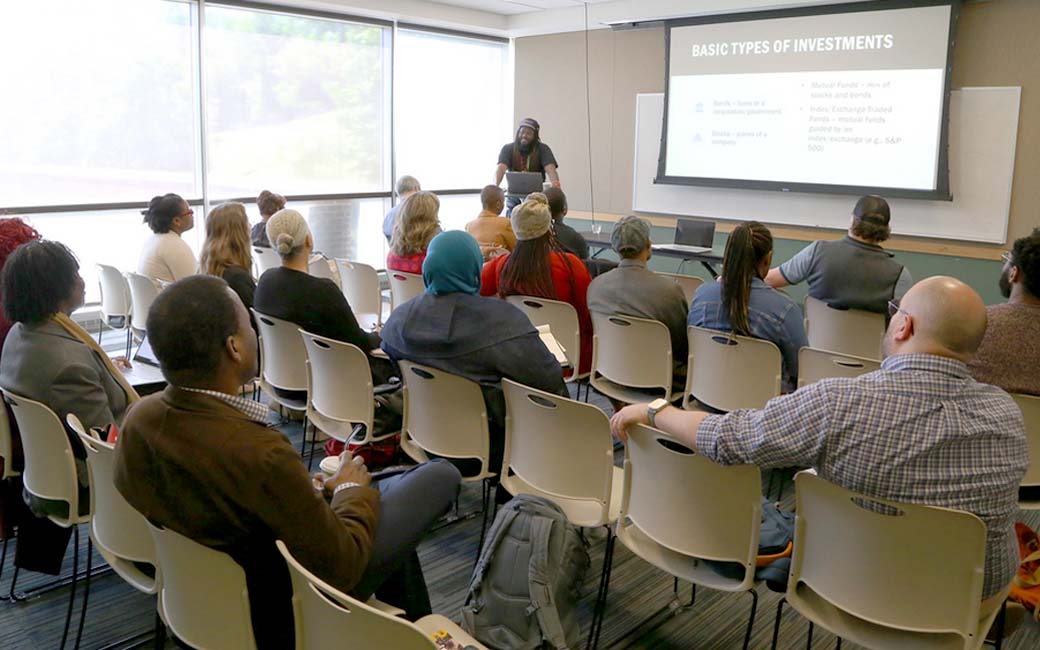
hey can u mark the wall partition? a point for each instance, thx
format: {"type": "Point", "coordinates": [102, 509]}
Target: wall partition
{"type": "Point", "coordinates": [110, 102]}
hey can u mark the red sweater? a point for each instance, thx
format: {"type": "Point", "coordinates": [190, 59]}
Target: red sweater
{"type": "Point", "coordinates": [406, 263]}
{"type": "Point", "coordinates": [565, 266]}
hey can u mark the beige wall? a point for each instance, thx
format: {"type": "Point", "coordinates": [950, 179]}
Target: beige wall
{"type": "Point", "coordinates": [997, 45]}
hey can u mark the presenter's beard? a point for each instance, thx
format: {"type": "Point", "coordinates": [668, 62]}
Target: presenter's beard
{"type": "Point", "coordinates": [524, 148]}
{"type": "Point", "coordinates": [1005, 283]}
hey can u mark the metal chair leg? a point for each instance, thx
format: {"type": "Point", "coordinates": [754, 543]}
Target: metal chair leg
{"type": "Point", "coordinates": [776, 624]}
{"type": "Point", "coordinates": [86, 592]}
{"type": "Point", "coordinates": [3, 560]}
{"type": "Point", "coordinates": [838, 646]}
{"type": "Point", "coordinates": [72, 592]}
{"type": "Point", "coordinates": [601, 597]}
{"type": "Point", "coordinates": [808, 644]}
{"type": "Point", "coordinates": [751, 619]}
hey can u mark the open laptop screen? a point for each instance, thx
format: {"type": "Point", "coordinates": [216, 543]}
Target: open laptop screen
{"type": "Point", "coordinates": [694, 232]}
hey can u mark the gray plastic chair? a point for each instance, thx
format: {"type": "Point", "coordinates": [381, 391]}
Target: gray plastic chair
{"type": "Point", "coordinates": [845, 331]}
{"type": "Point", "coordinates": [729, 372]}
{"type": "Point", "coordinates": [631, 358]}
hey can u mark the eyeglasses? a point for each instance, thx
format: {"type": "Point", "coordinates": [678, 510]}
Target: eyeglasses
{"type": "Point", "coordinates": [1005, 257]}
{"type": "Point", "coordinates": [189, 212]}
{"type": "Point", "coordinates": [894, 308]}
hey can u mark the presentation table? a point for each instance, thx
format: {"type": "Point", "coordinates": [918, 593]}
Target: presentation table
{"type": "Point", "coordinates": [601, 242]}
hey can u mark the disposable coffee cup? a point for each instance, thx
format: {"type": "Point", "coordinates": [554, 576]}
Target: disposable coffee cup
{"type": "Point", "coordinates": [329, 465]}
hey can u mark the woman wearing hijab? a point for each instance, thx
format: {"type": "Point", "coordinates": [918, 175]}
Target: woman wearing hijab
{"type": "Point", "coordinates": [452, 328]}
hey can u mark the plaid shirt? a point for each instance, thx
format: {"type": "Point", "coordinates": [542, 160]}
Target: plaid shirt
{"type": "Point", "coordinates": [919, 430]}
{"type": "Point", "coordinates": [252, 409]}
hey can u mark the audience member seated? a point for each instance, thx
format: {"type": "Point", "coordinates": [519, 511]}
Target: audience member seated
{"type": "Point", "coordinates": [492, 232]}
{"type": "Point", "coordinates": [1009, 356]}
{"type": "Point", "coordinates": [742, 303]}
{"type": "Point", "coordinates": [853, 272]}
{"type": "Point", "coordinates": [47, 357]}
{"type": "Point", "coordinates": [567, 237]}
{"type": "Point", "coordinates": [225, 253]}
{"type": "Point", "coordinates": [536, 267]}
{"type": "Point", "coordinates": [919, 430]}
{"type": "Point", "coordinates": [291, 293]}
{"type": "Point", "coordinates": [268, 203]}
{"type": "Point", "coordinates": [199, 460]}
{"type": "Point", "coordinates": [453, 328]}
{"type": "Point", "coordinates": [634, 290]}
{"type": "Point", "coordinates": [406, 186]}
{"type": "Point", "coordinates": [416, 224]}
{"type": "Point", "coordinates": [165, 255]}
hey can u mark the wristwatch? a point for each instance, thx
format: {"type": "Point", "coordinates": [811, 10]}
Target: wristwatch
{"type": "Point", "coordinates": [654, 408]}
{"type": "Point", "coordinates": [345, 486]}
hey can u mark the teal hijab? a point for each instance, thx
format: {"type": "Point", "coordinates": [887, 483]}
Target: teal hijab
{"type": "Point", "coordinates": [453, 264]}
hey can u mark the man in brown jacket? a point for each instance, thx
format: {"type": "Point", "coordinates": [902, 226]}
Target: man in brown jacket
{"type": "Point", "coordinates": [200, 460]}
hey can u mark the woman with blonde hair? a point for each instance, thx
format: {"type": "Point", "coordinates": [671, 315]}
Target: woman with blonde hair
{"type": "Point", "coordinates": [415, 226]}
{"type": "Point", "coordinates": [225, 253]}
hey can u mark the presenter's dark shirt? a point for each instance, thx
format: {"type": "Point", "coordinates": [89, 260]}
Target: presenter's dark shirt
{"type": "Point", "coordinates": [545, 157]}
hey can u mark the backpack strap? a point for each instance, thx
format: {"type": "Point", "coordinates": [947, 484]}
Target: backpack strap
{"type": "Point", "coordinates": [539, 586]}
{"type": "Point", "coordinates": [502, 522]}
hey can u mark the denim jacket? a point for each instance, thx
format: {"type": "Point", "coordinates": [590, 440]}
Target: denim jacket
{"type": "Point", "coordinates": [771, 315]}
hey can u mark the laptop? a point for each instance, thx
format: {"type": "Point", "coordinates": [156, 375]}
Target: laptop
{"type": "Point", "coordinates": [692, 236]}
{"type": "Point", "coordinates": [144, 368]}
{"type": "Point", "coordinates": [523, 183]}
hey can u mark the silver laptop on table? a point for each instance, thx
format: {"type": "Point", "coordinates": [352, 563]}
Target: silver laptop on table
{"type": "Point", "coordinates": [144, 368]}
{"type": "Point", "coordinates": [523, 183]}
{"type": "Point", "coordinates": [692, 236]}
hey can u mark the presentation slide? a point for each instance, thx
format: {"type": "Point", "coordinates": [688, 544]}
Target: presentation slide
{"type": "Point", "coordinates": [851, 100]}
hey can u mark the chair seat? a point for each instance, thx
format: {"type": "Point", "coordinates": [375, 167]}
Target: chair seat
{"type": "Point", "coordinates": [580, 512]}
{"type": "Point", "coordinates": [434, 623]}
{"type": "Point", "coordinates": [419, 455]}
{"type": "Point", "coordinates": [683, 566]}
{"type": "Point", "coordinates": [375, 603]}
{"type": "Point", "coordinates": [127, 570]}
{"type": "Point", "coordinates": [626, 394]}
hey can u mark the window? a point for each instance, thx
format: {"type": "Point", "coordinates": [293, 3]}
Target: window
{"type": "Point", "coordinates": [296, 103]}
{"type": "Point", "coordinates": [99, 102]}
{"type": "Point", "coordinates": [452, 108]}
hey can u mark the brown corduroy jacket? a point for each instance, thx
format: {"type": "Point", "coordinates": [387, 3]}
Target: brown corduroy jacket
{"type": "Point", "coordinates": [194, 464]}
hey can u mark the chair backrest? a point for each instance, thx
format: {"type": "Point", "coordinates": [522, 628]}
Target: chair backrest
{"type": "Point", "coordinates": [143, 291]}
{"type": "Point", "coordinates": [560, 447]}
{"type": "Point", "coordinates": [203, 598]}
{"type": "Point", "coordinates": [404, 287]}
{"type": "Point", "coordinates": [6, 445]}
{"type": "Point", "coordinates": [115, 296]}
{"type": "Point", "coordinates": [283, 356]}
{"type": "Point", "coordinates": [880, 561]}
{"type": "Point", "coordinates": [730, 372]}
{"type": "Point", "coordinates": [120, 533]}
{"type": "Point", "coordinates": [721, 506]}
{"type": "Point", "coordinates": [1030, 406]}
{"type": "Point", "coordinates": [562, 319]}
{"type": "Point", "coordinates": [845, 331]}
{"type": "Point", "coordinates": [339, 382]}
{"type": "Point", "coordinates": [50, 468]}
{"type": "Point", "coordinates": [814, 365]}
{"type": "Point", "coordinates": [360, 284]}
{"type": "Point", "coordinates": [326, 617]}
{"type": "Point", "coordinates": [265, 258]}
{"type": "Point", "coordinates": [633, 352]}
{"type": "Point", "coordinates": [688, 283]}
{"type": "Point", "coordinates": [322, 267]}
{"type": "Point", "coordinates": [444, 414]}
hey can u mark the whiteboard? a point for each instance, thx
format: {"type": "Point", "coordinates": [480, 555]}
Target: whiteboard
{"type": "Point", "coordinates": [983, 131]}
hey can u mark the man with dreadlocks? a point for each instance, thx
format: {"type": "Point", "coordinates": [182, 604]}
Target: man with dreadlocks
{"type": "Point", "coordinates": [526, 153]}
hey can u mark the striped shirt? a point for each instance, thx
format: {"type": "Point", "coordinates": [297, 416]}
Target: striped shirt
{"type": "Point", "coordinates": [919, 430]}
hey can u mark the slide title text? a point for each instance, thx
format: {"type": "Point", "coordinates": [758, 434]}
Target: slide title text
{"type": "Point", "coordinates": [795, 45]}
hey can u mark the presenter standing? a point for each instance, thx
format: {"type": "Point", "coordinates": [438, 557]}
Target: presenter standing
{"type": "Point", "coordinates": [526, 153]}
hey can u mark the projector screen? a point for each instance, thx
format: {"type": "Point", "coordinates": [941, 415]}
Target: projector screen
{"type": "Point", "coordinates": [848, 98]}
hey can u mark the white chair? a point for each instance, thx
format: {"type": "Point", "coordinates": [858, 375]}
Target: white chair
{"type": "Point", "coordinates": [872, 571]}
{"type": "Point", "coordinates": [340, 393]}
{"type": "Point", "coordinates": [116, 305]}
{"type": "Point", "coordinates": [562, 450]}
{"type": "Point", "coordinates": [845, 331]}
{"type": "Point", "coordinates": [729, 372]}
{"type": "Point", "coordinates": [814, 365]}
{"type": "Point", "coordinates": [562, 319]}
{"type": "Point", "coordinates": [322, 267]}
{"type": "Point", "coordinates": [404, 287]}
{"type": "Point", "coordinates": [120, 533]}
{"type": "Point", "coordinates": [325, 617]}
{"type": "Point", "coordinates": [1031, 413]}
{"type": "Point", "coordinates": [283, 364]}
{"type": "Point", "coordinates": [360, 284]}
{"type": "Point", "coordinates": [631, 358]}
{"type": "Point", "coordinates": [445, 415]}
{"type": "Point", "coordinates": [50, 473]}
{"type": "Point", "coordinates": [143, 292]}
{"type": "Point", "coordinates": [265, 258]}
{"type": "Point", "coordinates": [203, 598]}
{"type": "Point", "coordinates": [688, 283]}
{"type": "Point", "coordinates": [707, 512]}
